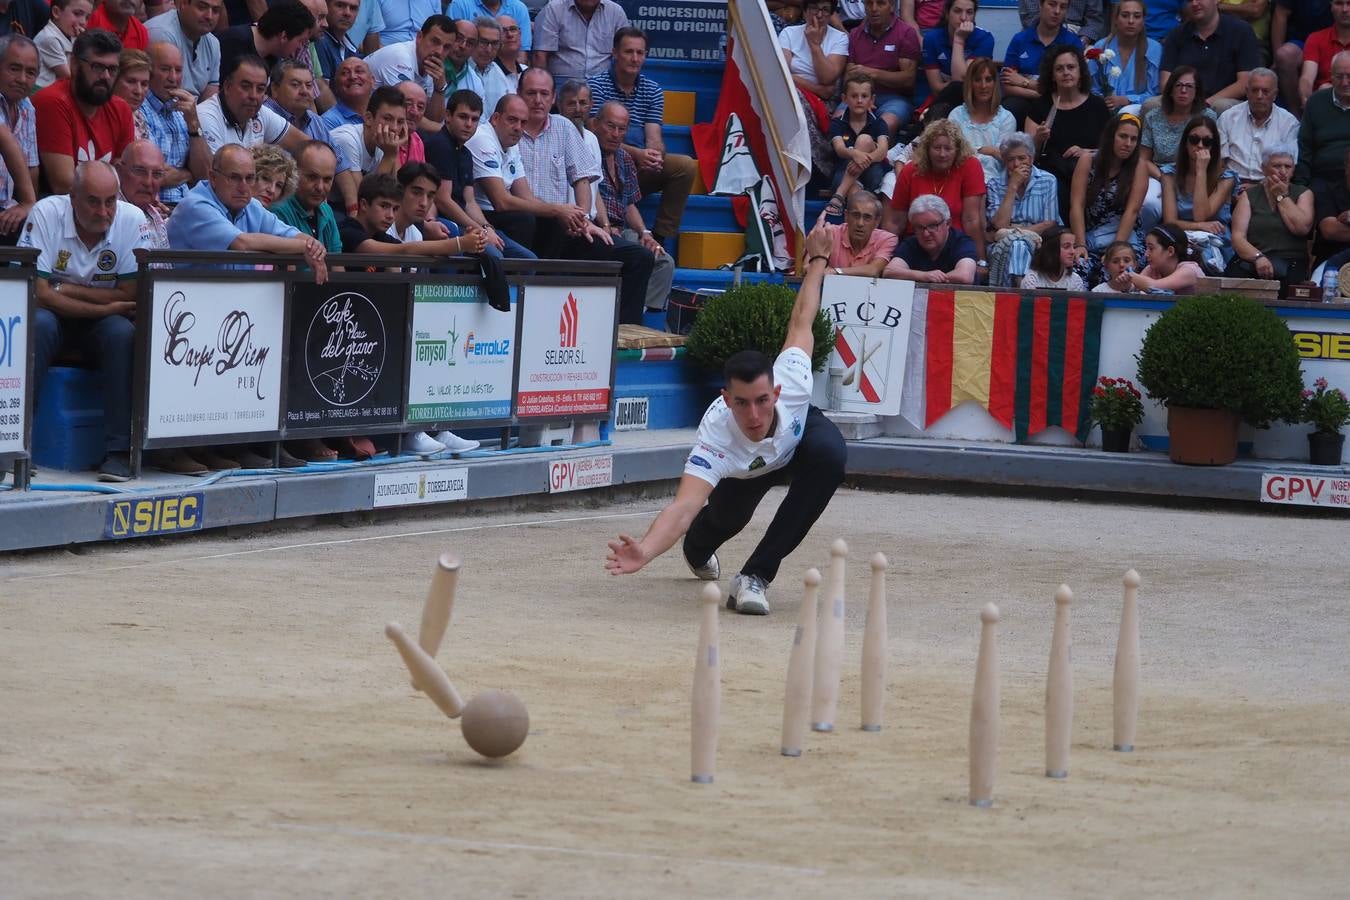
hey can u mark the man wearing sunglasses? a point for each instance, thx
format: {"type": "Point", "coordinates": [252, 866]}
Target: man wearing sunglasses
{"type": "Point", "coordinates": [517, 11]}
{"type": "Point", "coordinates": [78, 118]}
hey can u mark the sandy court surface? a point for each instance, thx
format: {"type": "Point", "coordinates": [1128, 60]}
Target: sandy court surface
{"type": "Point", "coordinates": [223, 716]}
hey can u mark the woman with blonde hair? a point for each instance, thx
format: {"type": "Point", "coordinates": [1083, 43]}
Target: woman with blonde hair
{"type": "Point", "coordinates": [1133, 70]}
{"type": "Point", "coordinates": [982, 118]}
{"type": "Point", "coordinates": [132, 84]}
{"type": "Point", "coordinates": [944, 164]}
{"type": "Point", "coordinates": [276, 174]}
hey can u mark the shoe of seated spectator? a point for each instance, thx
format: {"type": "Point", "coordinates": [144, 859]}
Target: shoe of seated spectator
{"type": "Point", "coordinates": [116, 466]}
{"type": "Point", "coordinates": [250, 458]}
{"type": "Point", "coordinates": [214, 459]}
{"type": "Point", "coordinates": [176, 461]}
{"type": "Point", "coordinates": [422, 444]}
{"type": "Point", "coordinates": [454, 443]}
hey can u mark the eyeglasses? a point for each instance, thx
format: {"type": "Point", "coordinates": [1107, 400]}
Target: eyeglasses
{"type": "Point", "coordinates": [511, 29]}
{"type": "Point", "coordinates": [236, 178]}
{"type": "Point", "coordinates": [101, 68]}
{"type": "Point", "coordinates": [482, 43]}
{"type": "Point", "coordinates": [143, 172]}
{"type": "Point", "coordinates": [1198, 140]}
{"type": "Point", "coordinates": [928, 229]}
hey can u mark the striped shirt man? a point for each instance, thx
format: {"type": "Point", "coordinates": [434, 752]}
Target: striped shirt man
{"type": "Point", "coordinates": [618, 197]}
{"type": "Point", "coordinates": [646, 105]}
{"type": "Point", "coordinates": [555, 159]}
{"type": "Point", "coordinates": [168, 129]}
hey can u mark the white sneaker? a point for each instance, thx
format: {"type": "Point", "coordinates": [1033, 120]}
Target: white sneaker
{"type": "Point", "coordinates": [456, 444]}
{"type": "Point", "coordinates": [709, 571]}
{"type": "Point", "coordinates": [422, 444]}
{"type": "Point", "coordinates": [748, 595]}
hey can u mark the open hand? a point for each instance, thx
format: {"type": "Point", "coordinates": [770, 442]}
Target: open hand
{"type": "Point", "coordinates": [625, 556]}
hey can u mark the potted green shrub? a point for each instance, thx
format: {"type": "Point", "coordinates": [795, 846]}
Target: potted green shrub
{"type": "Point", "coordinates": [751, 317]}
{"type": "Point", "coordinates": [1117, 407]}
{"type": "Point", "coordinates": [1217, 361]}
{"type": "Point", "coordinates": [1328, 411]}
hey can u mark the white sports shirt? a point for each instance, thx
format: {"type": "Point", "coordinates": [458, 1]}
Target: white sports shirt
{"type": "Point", "coordinates": [63, 256]}
{"type": "Point", "coordinates": [723, 451]}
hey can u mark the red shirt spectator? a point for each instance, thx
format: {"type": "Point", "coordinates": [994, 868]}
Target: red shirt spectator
{"type": "Point", "coordinates": [62, 128]}
{"type": "Point", "coordinates": [953, 186]}
{"type": "Point", "coordinates": [134, 37]}
{"type": "Point", "coordinates": [1320, 47]}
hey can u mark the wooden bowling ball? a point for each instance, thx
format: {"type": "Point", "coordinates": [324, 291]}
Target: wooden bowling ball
{"type": "Point", "coordinates": [495, 723]}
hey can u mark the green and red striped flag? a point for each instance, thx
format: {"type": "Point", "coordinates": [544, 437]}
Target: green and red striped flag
{"type": "Point", "coordinates": [1030, 361]}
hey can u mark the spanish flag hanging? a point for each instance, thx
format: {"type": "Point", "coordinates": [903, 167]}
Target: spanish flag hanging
{"type": "Point", "coordinates": [1030, 361]}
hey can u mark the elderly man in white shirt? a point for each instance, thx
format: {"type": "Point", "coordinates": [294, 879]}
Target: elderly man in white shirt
{"type": "Point", "coordinates": [1250, 128]}
{"type": "Point", "coordinates": [237, 116]}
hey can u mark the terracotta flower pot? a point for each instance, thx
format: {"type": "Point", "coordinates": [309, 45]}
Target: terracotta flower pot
{"type": "Point", "coordinates": [1325, 449]}
{"type": "Point", "coordinates": [1202, 437]}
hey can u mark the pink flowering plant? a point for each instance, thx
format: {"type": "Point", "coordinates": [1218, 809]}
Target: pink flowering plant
{"type": "Point", "coordinates": [1116, 404]}
{"type": "Point", "coordinates": [1325, 407]}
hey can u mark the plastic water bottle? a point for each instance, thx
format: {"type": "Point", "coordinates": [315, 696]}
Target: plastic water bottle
{"type": "Point", "coordinates": [1331, 284]}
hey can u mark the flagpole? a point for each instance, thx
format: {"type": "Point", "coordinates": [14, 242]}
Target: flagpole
{"type": "Point", "coordinates": [799, 245]}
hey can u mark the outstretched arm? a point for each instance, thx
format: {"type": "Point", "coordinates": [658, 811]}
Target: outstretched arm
{"type": "Point", "coordinates": [807, 307]}
{"type": "Point", "coordinates": [627, 555]}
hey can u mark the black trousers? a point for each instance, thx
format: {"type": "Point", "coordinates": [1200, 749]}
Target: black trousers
{"type": "Point", "coordinates": [813, 474]}
{"type": "Point", "coordinates": [551, 241]}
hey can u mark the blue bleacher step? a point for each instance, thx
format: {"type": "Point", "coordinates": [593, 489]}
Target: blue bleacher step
{"type": "Point", "coordinates": [703, 79]}
{"type": "Point", "coordinates": [707, 213]}
{"type": "Point", "coordinates": [720, 279]}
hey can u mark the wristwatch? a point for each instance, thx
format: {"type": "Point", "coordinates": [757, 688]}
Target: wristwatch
{"type": "Point", "coordinates": [1281, 198]}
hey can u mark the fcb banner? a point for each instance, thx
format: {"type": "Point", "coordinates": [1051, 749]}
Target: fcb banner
{"type": "Point", "coordinates": [1030, 361]}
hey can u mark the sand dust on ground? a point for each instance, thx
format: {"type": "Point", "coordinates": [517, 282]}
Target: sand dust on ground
{"type": "Point", "coordinates": [223, 716]}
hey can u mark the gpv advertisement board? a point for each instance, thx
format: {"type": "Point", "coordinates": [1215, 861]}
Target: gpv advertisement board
{"type": "Point", "coordinates": [462, 356]}
{"type": "Point", "coordinates": [14, 326]}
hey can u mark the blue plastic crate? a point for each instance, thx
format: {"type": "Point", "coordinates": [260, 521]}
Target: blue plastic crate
{"type": "Point", "coordinates": [68, 425]}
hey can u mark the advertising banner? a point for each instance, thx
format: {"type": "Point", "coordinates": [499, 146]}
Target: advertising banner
{"type": "Point", "coordinates": [1302, 489]}
{"type": "Point", "coordinates": [406, 488]}
{"type": "Point", "coordinates": [348, 344]}
{"type": "Point", "coordinates": [462, 356]}
{"type": "Point", "coordinates": [215, 358]}
{"type": "Point", "coordinates": [681, 29]}
{"type": "Point", "coordinates": [13, 365]}
{"type": "Point", "coordinates": [566, 351]}
{"type": "Point", "coordinates": [871, 322]}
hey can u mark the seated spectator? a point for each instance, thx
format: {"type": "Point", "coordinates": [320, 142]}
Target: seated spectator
{"type": "Point", "coordinates": [1161, 139]}
{"type": "Point", "coordinates": [982, 118]}
{"type": "Point", "coordinates": [306, 209]}
{"type": "Point", "coordinates": [515, 10]}
{"type": "Point", "coordinates": [18, 192]}
{"type": "Point", "coordinates": [365, 31]}
{"type": "Point", "coordinates": [374, 145]}
{"type": "Point", "coordinates": [510, 52]}
{"type": "Point", "coordinates": [416, 222]}
{"type": "Point", "coordinates": [23, 17]}
{"type": "Point", "coordinates": [816, 53]}
{"type": "Point", "coordinates": [948, 49]}
{"type": "Point", "coordinates": [79, 117]}
{"type": "Point", "coordinates": [334, 43]}
{"type": "Point", "coordinates": [859, 139]}
{"type": "Point", "coordinates": [1022, 62]}
{"type": "Point", "coordinates": [1084, 18]}
{"type": "Point", "coordinates": [141, 170]}
{"type": "Point", "coordinates": [421, 59]}
{"type": "Point", "coordinates": [1332, 215]}
{"type": "Point", "coordinates": [1078, 119]}
{"type": "Point", "coordinates": [574, 104]}
{"type": "Point", "coordinates": [1198, 192]}
{"type": "Point", "coordinates": [1222, 49]}
{"type": "Point", "coordinates": [669, 174]}
{"type": "Point", "coordinates": [236, 115]}
{"type": "Point", "coordinates": [86, 292]}
{"type": "Point", "coordinates": [1052, 267]}
{"type": "Point", "coordinates": [276, 174]}
{"type": "Point", "coordinates": [1137, 58]}
{"type": "Point", "coordinates": [1291, 23]}
{"type": "Point", "coordinates": [415, 106]}
{"type": "Point", "coordinates": [281, 32]}
{"type": "Point", "coordinates": [1108, 190]}
{"type": "Point", "coordinates": [352, 87]}
{"type": "Point", "coordinates": [483, 59]}
{"type": "Point", "coordinates": [189, 27]}
{"type": "Point", "coordinates": [1324, 134]}
{"type": "Point", "coordinates": [18, 73]}
{"type": "Point", "coordinates": [619, 195]}
{"type": "Point", "coordinates": [292, 93]}
{"type": "Point", "coordinates": [170, 115]}
{"type": "Point", "coordinates": [1171, 268]}
{"type": "Point", "coordinates": [501, 191]}
{"type": "Point", "coordinates": [1021, 206]}
{"type": "Point", "coordinates": [220, 213]}
{"type": "Point", "coordinates": [132, 84]}
{"type": "Point", "coordinates": [860, 246]}
{"type": "Point", "coordinates": [1248, 129]}
{"type": "Point", "coordinates": [886, 48]}
{"type": "Point", "coordinates": [1271, 222]}
{"type": "Point", "coordinates": [935, 252]}
{"type": "Point", "coordinates": [554, 158]}
{"type": "Point", "coordinates": [1320, 47]}
{"type": "Point", "coordinates": [1119, 261]}
{"type": "Point", "coordinates": [573, 38]}
{"type": "Point", "coordinates": [458, 67]}
{"type": "Point", "coordinates": [57, 38]}
{"type": "Point", "coordinates": [944, 165]}
{"type": "Point", "coordinates": [922, 15]}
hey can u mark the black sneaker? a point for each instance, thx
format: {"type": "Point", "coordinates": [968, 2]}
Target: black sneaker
{"type": "Point", "coordinates": [116, 466]}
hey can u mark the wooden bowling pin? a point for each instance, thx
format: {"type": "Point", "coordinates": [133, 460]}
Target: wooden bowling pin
{"type": "Point", "coordinates": [1125, 685]}
{"type": "Point", "coordinates": [829, 643]}
{"type": "Point", "coordinates": [707, 698]}
{"type": "Point", "coordinates": [439, 604]}
{"type": "Point", "coordinates": [797, 698]}
{"type": "Point", "coordinates": [426, 672]}
{"type": "Point", "coordinates": [874, 649]}
{"type": "Point", "coordinates": [1059, 690]}
{"type": "Point", "coordinates": [984, 712]}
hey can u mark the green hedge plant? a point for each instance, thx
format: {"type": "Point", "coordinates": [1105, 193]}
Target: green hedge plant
{"type": "Point", "coordinates": [1223, 351]}
{"type": "Point", "coordinates": [751, 317]}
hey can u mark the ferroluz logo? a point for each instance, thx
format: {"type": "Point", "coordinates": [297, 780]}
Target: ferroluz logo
{"type": "Point", "coordinates": [569, 322]}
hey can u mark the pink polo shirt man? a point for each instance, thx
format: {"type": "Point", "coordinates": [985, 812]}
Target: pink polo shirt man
{"type": "Point", "coordinates": [880, 246]}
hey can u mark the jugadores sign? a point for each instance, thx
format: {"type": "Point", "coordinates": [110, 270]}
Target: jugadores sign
{"type": "Point", "coordinates": [566, 350]}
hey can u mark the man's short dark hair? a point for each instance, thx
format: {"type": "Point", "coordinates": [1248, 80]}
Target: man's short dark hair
{"type": "Point", "coordinates": [278, 73]}
{"type": "Point", "coordinates": [388, 95]}
{"type": "Point", "coordinates": [96, 42]}
{"type": "Point", "coordinates": [747, 367]}
{"type": "Point", "coordinates": [464, 97]}
{"type": "Point", "coordinates": [288, 17]}
{"type": "Point", "coordinates": [412, 171]}
{"type": "Point", "coordinates": [307, 146]}
{"type": "Point", "coordinates": [243, 59]}
{"type": "Point", "coordinates": [444, 23]}
{"type": "Point", "coordinates": [628, 31]}
{"type": "Point", "coordinates": [379, 186]}
{"type": "Point", "coordinates": [570, 88]}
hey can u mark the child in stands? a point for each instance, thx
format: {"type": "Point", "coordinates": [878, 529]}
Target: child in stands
{"type": "Point", "coordinates": [1052, 266]}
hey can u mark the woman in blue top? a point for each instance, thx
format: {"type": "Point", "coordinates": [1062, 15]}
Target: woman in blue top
{"type": "Point", "coordinates": [948, 48]}
{"type": "Point", "coordinates": [1138, 71]}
